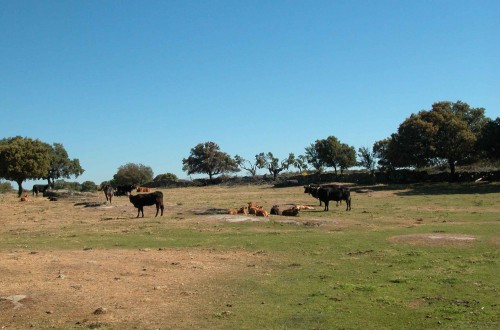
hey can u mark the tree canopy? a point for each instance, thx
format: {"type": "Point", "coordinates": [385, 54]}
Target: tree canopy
{"type": "Point", "coordinates": [273, 164]}
{"type": "Point", "coordinates": [330, 152]}
{"type": "Point", "coordinates": [448, 132]}
{"type": "Point", "coordinates": [24, 158]}
{"type": "Point", "coordinates": [131, 173]}
{"type": "Point", "coordinates": [61, 166]}
{"type": "Point", "coordinates": [206, 158]}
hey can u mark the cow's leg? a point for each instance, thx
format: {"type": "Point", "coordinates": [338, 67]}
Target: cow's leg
{"type": "Point", "coordinates": [138, 211]}
{"type": "Point", "coordinates": [162, 207]}
{"type": "Point", "coordinates": [157, 209]}
{"type": "Point", "coordinates": [326, 205]}
{"type": "Point", "coordinates": [142, 211]}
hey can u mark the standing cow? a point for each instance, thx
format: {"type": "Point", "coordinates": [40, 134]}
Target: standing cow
{"type": "Point", "coordinates": [141, 200]}
{"type": "Point", "coordinates": [39, 188]}
{"type": "Point", "coordinates": [327, 194]}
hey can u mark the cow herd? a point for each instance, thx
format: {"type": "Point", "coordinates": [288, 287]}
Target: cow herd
{"type": "Point", "coordinates": [325, 194]}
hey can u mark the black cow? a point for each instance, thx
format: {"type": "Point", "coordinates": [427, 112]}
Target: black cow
{"type": "Point", "coordinates": [313, 191]}
{"type": "Point", "coordinates": [141, 200]}
{"type": "Point", "coordinates": [327, 194]}
{"type": "Point", "coordinates": [39, 188]}
{"type": "Point", "coordinates": [124, 190]}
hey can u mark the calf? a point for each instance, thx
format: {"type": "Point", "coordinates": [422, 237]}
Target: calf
{"type": "Point", "coordinates": [327, 194]}
{"type": "Point", "coordinates": [39, 188]}
{"type": "Point", "coordinates": [24, 198]}
{"type": "Point", "coordinates": [154, 198]}
{"type": "Point", "coordinates": [143, 189]}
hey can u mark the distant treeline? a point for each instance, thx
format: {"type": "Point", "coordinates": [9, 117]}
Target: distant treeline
{"type": "Point", "coordinates": [362, 178]}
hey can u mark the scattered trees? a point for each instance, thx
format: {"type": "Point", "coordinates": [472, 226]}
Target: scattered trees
{"type": "Point", "coordinates": [247, 165]}
{"type": "Point", "coordinates": [61, 166]}
{"type": "Point", "coordinates": [489, 141]}
{"type": "Point", "coordinates": [273, 164]}
{"type": "Point", "coordinates": [206, 158]}
{"type": "Point", "coordinates": [131, 173]}
{"type": "Point", "coordinates": [330, 152]}
{"type": "Point", "coordinates": [367, 159]}
{"type": "Point", "coordinates": [165, 177]}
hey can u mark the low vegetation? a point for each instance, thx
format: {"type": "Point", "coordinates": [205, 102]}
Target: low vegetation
{"type": "Point", "coordinates": [407, 256]}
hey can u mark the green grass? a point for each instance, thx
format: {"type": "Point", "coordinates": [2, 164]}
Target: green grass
{"type": "Point", "coordinates": [346, 273]}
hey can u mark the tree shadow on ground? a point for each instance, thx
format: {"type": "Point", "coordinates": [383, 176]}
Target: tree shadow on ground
{"type": "Point", "coordinates": [443, 188]}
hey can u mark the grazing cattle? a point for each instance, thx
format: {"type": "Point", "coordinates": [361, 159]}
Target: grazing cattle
{"type": "Point", "coordinates": [291, 212]}
{"type": "Point", "coordinates": [143, 189]}
{"type": "Point", "coordinates": [141, 200]}
{"type": "Point", "coordinates": [24, 198]}
{"type": "Point", "coordinates": [327, 194]}
{"type": "Point", "coordinates": [37, 188]}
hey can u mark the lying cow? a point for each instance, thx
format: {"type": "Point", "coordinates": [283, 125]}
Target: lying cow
{"type": "Point", "coordinates": [327, 194]}
{"type": "Point", "coordinates": [291, 212]}
{"type": "Point", "coordinates": [39, 188]}
{"type": "Point", "coordinates": [143, 189]}
{"type": "Point", "coordinates": [141, 200]}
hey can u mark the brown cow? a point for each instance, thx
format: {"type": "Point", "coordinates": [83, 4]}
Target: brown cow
{"type": "Point", "coordinates": [243, 210]}
{"type": "Point", "coordinates": [24, 198]}
{"type": "Point", "coordinates": [261, 213]}
{"type": "Point", "coordinates": [143, 189]}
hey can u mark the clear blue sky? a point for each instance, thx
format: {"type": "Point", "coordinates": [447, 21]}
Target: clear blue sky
{"type": "Point", "coordinates": [120, 82]}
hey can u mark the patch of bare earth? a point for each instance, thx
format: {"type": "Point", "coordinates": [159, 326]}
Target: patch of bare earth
{"type": "Point", "coordinates": [436, 239]}
{"type": "Point", "coordinates": [116, 289]}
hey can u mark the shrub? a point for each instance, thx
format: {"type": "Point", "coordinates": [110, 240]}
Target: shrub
{"type": "Point", "coordinates": [5, 187]}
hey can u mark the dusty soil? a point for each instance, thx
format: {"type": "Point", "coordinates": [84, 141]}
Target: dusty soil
{"type": "Point", "coordinates": [148, 288]}
{"type": "Point", "coordinates": [115, 289]}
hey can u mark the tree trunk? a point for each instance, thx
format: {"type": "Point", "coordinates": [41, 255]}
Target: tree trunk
{"type": "Point", "coordinates": [451, 163]}
{"type": "Point", "coordinates": [20, 189]}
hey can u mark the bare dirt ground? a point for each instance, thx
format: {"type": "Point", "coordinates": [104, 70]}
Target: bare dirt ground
{"type": "Point", "coordinates": [116, 289]}
{"type": "Point", "coordinates": [144, 288]}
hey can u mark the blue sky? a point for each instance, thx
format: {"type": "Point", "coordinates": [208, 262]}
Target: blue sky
{"type": "Point", "coordinates": [120, 82]}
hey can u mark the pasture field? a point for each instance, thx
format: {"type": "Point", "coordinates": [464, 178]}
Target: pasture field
{"type": "Point", "coordinates": [406, 257]}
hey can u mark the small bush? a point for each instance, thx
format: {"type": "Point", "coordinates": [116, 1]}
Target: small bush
{"type": "Point", "coordinates": [5, 187]}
